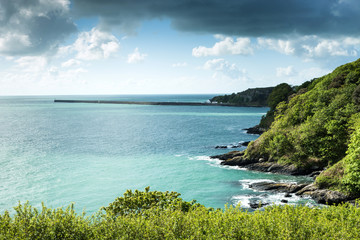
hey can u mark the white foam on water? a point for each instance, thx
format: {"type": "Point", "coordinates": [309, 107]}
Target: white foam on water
{"type": "Point", "coordinates": [215, 162]}
{"type": "Point", "coordinates": [247, 182]}
{"type": "Point", "coordinates": [267, 199]}
{"type": "Point", "coordinates": [243, 200]}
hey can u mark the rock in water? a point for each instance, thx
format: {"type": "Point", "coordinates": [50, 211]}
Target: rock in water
{"type": "Point", "coordinates": [254, 130]}
{"type": "Point", "coordinates": [257, 204]}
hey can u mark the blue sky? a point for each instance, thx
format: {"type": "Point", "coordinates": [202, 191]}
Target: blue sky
{"type": "Point", "coordinates": [60, 47]}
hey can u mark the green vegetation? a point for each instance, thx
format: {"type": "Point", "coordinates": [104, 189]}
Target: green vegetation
{"type": "Point", "coordinates": [260, 97]}
{"type": "Point", "coordinates": [279, 94]}
{"type": "Point", "coordinates": [138, 202]}
{"type": "Point", "coordinates": [159, 215]}
{"type": "Point", "coordinates": [318, 125]}
{"type": "Point", "coordinates": [252, 97]}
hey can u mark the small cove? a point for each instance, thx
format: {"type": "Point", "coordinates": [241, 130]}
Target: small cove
{"type": "Point", "coordinates": [89, 154]}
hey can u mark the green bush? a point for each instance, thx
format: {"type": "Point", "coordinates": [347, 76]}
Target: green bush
{"type": "Point", "coordinates": [138, 202]}
{"type": "Point", "coordinates": [275, 222]}
{"type": "Point", "coordinates": [351, 179]}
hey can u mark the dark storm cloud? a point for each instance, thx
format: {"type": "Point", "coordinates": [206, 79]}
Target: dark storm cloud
{"type": "Point", "coordinates": [232, 17]}
{"type": "Point", "coordinates": [33, 27]}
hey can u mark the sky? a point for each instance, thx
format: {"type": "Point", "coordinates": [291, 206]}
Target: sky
{"type": "Point", "coordinates": [67, 47]}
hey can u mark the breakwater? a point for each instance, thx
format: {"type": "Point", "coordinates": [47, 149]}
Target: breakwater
{"type": "Point", "coordinates": [144, 103]}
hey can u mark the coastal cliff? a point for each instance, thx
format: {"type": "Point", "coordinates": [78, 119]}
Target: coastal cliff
{"type": "Point", "coordinates": [315, 131]}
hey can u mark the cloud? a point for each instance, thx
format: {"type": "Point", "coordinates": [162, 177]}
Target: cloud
{"type": "Point", "coordinates": [227, 46]}
{"type": "Point", "coordinates": [31, 64]}
{"type": "Point", "coordinates": [313, 47]}
{"type": "Point", "coordinates": [310, 73]}
{"type": "Point", "coordinates": [37, 73]}
{"type": "Point", "coordinates": [232, 17]}
{"type": "Point", "coordinates": [285, 71]}
{"type": "Point", "coordinates": [283, 46]}
{"type": "Point", "coordinates": [136, 56]}
{"type": "Point", "coordinates": [94, 45]}
{"type": "Point", "coordinates": [180, 64]}
{"type": "Point", "coordinates": [31, 27]}
{"type": "Point", "coordinates": [220, 65]}
{"type": "Point", "coordinates": [327, 47]}
{"type": "Point", "coordinates": [71, 63]}
{"type": "Point", "coordinates": [298, 77]}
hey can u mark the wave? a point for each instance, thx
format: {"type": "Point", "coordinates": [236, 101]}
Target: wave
{"type": "Point", "coordinates": [214, 162]}
{"type": "Point", "coordinates": [266, 199]}
{"type": "Point", "coordinates": [247, 182]}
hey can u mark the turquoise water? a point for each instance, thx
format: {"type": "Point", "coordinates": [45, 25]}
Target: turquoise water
{"type": "Point", "coordinates": [89, 154]}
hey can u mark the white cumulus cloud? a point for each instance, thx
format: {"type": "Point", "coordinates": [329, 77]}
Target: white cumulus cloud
{"type": "Point", "coordinates": [313, 47]}
{"type": "Point", "coordinates": [136, 56]}
{"type": "Point", "coordinates": [95, 44]}
{"type": "Point", "coordinates": [226, 46]}
{"type": "Point", "coordinates": [230, 70]}
{"type": "Point", "coordinates": [283, 46]}
{"type": "Point", "coordinates": [70, 63]}
{"type": "Point", "coordinates": [324, 48]}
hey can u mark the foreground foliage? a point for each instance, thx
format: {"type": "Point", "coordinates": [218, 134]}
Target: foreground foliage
{"type": "Point", "coordinates": [163, 219]}
{"type": "Point", "coordinates": [318, 127]}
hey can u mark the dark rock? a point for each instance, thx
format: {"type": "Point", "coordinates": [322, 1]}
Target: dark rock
{"type": "Point", "coordinates": [240, 144]}
{"type": "Point", "coordinates": [257, 204]}
{"type": "Point", "coordinates": [314, 174]}
{"type": "Point", "coordinates": [284, 201]}
{"type": "Point", "coordinates": [287, 195]}
{"type": "Point", "coordinates": [238, 161]}
{"type": "Point", "coordinates": [329, 197]}
{"type": "Point", "coordinates": [321, 196]}
{"type": "Point", "coordinates": [277, 187]}
{"type": "Point", "coordinates": [296, 187]}
{"type": "Point", "coordinates": [254, 130]}
{"type": "Point", "coordinates": [229, 155]}
{"type": "Point", "coordinates": [217, 147]}
{"type": "Point", "coordinates": [307, 190]}
{"type": "Point", "coordinates": [324, 196]}
{"type": "Point", "coordinates": [274, 167]}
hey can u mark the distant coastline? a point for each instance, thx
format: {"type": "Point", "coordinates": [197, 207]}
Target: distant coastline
{"type": "Point", "coordinates": [151, 103]}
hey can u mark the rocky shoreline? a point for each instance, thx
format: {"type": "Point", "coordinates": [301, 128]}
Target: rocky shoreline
{"type": "Point", "coordinates": [321, 196]}
{"type": "Point", "coordinates": [255, 130]}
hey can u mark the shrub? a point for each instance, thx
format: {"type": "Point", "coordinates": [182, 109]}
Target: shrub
{"type": "Point", "coordinates": [356, 96]}
{"type": "Point", "coordinates": [137, 202]}
{"type": "Point", "coordinates": [275, 222]}
{"type": "Point", "coordinates": [351, 179]}
{"type": "Point", "coordinates": [337, 81]}
{"type": "Point", "coordinates": [280, 93]}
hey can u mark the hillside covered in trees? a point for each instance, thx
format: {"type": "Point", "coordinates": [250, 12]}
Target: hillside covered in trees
{"type": "Point", "coordinates": [260, 97]}
{"type": "Point", "coordinates": [317, 127]}
{"type": "Point", "coordinates": [252, 97]}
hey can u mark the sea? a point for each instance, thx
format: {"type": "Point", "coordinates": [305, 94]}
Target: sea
{"type": "Point", "coordinates": [89, 154]}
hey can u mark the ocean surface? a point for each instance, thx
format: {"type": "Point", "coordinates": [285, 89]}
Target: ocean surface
{"type": "Point", "coordinates": [89, 154]}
